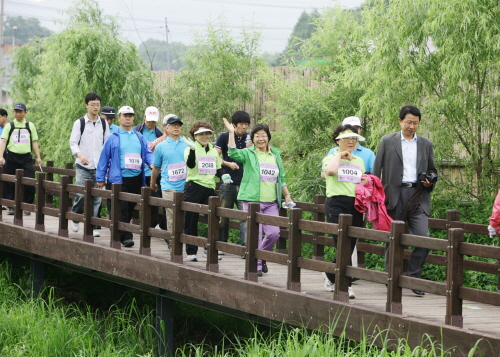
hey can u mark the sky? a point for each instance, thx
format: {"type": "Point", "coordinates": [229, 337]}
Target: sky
{"type": "Point", "coordinates": [143, 19]}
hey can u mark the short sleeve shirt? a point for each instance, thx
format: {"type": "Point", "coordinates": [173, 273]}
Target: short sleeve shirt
{"type": "Point", "coordinates": [203, 159]}
{"type": "Point", "coordinates": [130, 153]}
{"type": "Point", "coordinates": [241, 143]}
{"type": "Point", "coordinates": [338, 187]}
{"type": "Point", "coordinates": [20, 141]}
{"type": "Point", "coordinates": [169, 155]}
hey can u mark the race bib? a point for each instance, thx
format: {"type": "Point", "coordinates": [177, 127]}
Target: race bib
{"type": "Point", "coordinates": [268, 172]}
{"type": "Point", "coordinates": [206, 165]}
{"type": "Point", "coordinates": [349, 172]}
{"type": "Point", "coordinates": [20, 137]}
{"type": "Point", "coordinates": [177, 172]}
{"type": "Point", "coordinates": [133, 161]}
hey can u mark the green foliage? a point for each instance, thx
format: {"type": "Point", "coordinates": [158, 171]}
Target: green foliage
{"type": "Point", "coordinates": [154, 53]}
{"type": "Point", "coordinates": [27, 28]}
{"type": "Point", "coordinates": [88, 56]}
{"type": "Point", "coordinates": [303, 29]}
{"type": "Point", "coordinates": [215, 79]}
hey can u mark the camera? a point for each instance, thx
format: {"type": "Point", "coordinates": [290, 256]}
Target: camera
{"type": "Point", "coordinates": [431, 176]}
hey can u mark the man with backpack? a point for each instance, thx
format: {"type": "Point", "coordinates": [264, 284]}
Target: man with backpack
{"type": "Point", "coordinates": [20, 138]}
{"type": "Point", "coordinates": [86, 141]}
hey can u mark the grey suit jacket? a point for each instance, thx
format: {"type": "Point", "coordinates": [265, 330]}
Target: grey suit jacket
{"type": "Point", "coordinates": [388, 167]}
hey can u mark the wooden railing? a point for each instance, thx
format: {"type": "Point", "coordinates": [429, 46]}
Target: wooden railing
{"type": "Point", "coordinates": [294, 232]}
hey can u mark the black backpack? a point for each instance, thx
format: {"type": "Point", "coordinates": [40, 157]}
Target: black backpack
{"type": "Point", "coordinates": [82, 128]}
{"type": "Point", "coordinates": [27, 127]}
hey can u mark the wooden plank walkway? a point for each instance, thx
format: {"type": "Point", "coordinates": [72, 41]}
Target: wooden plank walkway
{"type": "Point", "coordinates": [476, 316]}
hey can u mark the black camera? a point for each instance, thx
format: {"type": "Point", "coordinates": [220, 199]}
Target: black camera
{"type": "Point", "coordinates": [431, 176]}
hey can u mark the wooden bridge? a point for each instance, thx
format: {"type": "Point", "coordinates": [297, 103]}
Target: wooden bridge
{"type": "Point", "coordinates": [456, 317]}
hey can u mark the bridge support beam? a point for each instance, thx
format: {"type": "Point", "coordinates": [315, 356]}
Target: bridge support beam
{"type": "Point", "coordinates": [38, 272]}
{"type": "Point", "coordinates": [165, 324]}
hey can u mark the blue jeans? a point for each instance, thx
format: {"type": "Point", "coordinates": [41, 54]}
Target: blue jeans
{"type": "Point", "coordinates": [228, 194]}
{"type": "Point", "coordinates": [81, 176]}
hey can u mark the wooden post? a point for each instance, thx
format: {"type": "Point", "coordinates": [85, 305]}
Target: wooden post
{"type": "Point", "coordinates": [294, 250]}
{"type": "Point", "coordinates": [177, 228]}
{"type": "Point", "coordinates": [165, 324]}
{"type": "Point", "coordinates": [252, 241]}
{"type": "Point", "coordinates": [281, 242]}
{"type": "Point", "coordinates": [395, 268]}
{"type": "Point", "coordinates": [116, 243]}
{"type": "Point", "coordinates": [18, 198]}
{"type": "Point", "coordinates": [64, 204]}
{"type": "Point", "coordinates": [88, 211]}
{"type": "Point", "coordinates": [213, 234]}
{"type": "Point", "coordinates": [319, 249]}
{"type": "Point", "coordinates": [454, 277]}
{"type": "Point", "coordinates": [40, 202]}
{"type": "Point", "coordinates": [145, 239]}
{"type": "Point", "coordinates": [49, 177]}
{"type": "Point", "coordinates": [342, 258]}
{"type": "Point", "coordinates": [37, 271]}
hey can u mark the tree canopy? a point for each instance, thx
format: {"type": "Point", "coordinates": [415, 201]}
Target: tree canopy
{"type": "Point", "coordinates": [88, 56]}
{"type": "Point", "coordinates": [154, 54]}
{"type": "Point", "coordinates": [26, 29]}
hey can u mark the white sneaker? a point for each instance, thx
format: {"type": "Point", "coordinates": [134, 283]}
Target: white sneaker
{"type": "Point", "coordinates": [329, 286]}
{"type": "Point", "coordinates": [192, 258]}
{"type": "Point", "coordinates": [96, 233]}
{"type": "Point", "coordinates": [351, 292]}
{"type": "Point", "coordinates": [75, 226]}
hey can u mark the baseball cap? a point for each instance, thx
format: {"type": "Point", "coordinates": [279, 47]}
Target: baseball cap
{"type": "Point", "coordinates": [108, 111]}
{"type": "Point", "coordinates": [20, 106]}
{"type": "Point", "coordinates": [171, 118]}
{"type": "Point", "coordinates": [202, 130]}
{"type": "Point", "coordinates": [152, 114]}
{"type": "Point", "coordinates": [126, 110]}
{"type": "Point", "coordinates": [352, 121]}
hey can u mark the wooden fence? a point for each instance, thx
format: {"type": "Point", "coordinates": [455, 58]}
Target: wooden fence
{"type": "Point", "coordinates": [294, 232]}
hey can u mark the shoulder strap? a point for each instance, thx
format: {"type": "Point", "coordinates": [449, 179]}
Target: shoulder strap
{"type": "Point", "coordinates": [82, 128]}
{"type": "Point", "coordinates": [27, 127]}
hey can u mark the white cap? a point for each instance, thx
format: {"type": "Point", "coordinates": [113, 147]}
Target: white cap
{"type": "Point", "coordinates": [152, 114]}
{"type": "Point", "coordinates": [352, 121]}
{"type": "Point", "coordinates": [126, 110]}
{"type": "Point", "coordinates": [202, 130]}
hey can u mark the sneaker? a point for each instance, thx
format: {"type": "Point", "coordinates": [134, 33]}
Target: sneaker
{"type": "Point", "coordinates": [264, 268]}
{"type": "Point", "coordinates": [96, 233]}
{"type": "Point", "coordinates": [75, 226]}
{"type": "Point", "coordinates": [259, 273]}
{"type": "Point", "coordinates": [168, 243]}
{"type": "Point", "coordinates": [11, 211]}
{"type": "Point", "coordinates": [329, 286]}
{"type": "Point", "coordinates": [192, 258]}
{"type": "Point", "coordinates": [221, 253]}
{"type": "Point", "coordinates": [27, 213]}
{"type": "Point", "coordinates": [128, 243]}
{"type": "Point", "coordinates": [351, 292]}
{"type": "Point", "coordinates": [4, 208]}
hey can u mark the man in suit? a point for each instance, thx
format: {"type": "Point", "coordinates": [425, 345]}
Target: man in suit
{"type": "Point", "coordinates": [400, 158]}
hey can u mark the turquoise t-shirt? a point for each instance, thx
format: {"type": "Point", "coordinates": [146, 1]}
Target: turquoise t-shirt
{"type": "Point", "coordinates": [169, 155]}
{"type": "Point", "coordinates": [130, 153]}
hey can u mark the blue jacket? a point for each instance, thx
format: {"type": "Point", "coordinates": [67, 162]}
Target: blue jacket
{"type": "Point", "coordinates": [110, 156]}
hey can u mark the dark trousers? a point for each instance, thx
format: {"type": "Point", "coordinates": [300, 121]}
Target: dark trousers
{"type": "Point", "coordinates": [197, 194]}
{"type": "Point", "coordinates": [154, 209]}
{"type": "Point", "coordinates": [418, 224]}
{"type": "Point", "coordinates": [130, 185]}
{"type": "Point", "coordinates": [228, 194]}
{"type": "Point", "coordinates": [334, 206]}
{"type": "Point", "coordinates": [13, 162]}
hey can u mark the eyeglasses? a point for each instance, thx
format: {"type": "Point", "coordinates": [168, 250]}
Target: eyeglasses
{"type": "Point", "coordinates": [95, 105]}
{"type": "Point", "coordinates": [410, 123]}
{"type": "Point", "coordinates": [260, 136]}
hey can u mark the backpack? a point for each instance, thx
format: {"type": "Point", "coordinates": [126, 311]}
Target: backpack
{"type": "Point", "coordinates": [82, 128]}
{"type": "Point", "coordinates": [27, 127]}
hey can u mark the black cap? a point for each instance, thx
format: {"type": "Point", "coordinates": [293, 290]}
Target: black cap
{"type": "Point", "coordinates": [108, 111]}
{"type": "Point", "coordinates": [171, 118]}
{"type": "Point", "coordinates": [20, 106]}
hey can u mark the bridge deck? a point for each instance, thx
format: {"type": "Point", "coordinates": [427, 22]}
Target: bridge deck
{"type": "Point", "coordinates": [476, 316]}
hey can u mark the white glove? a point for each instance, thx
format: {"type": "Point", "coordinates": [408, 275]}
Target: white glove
{"type": "Point", "coordinates": [226, 178]}
{"type": "Point", "coordinates": [189, 142]}
{"type": "Point", "coordinates": [493, 231]}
